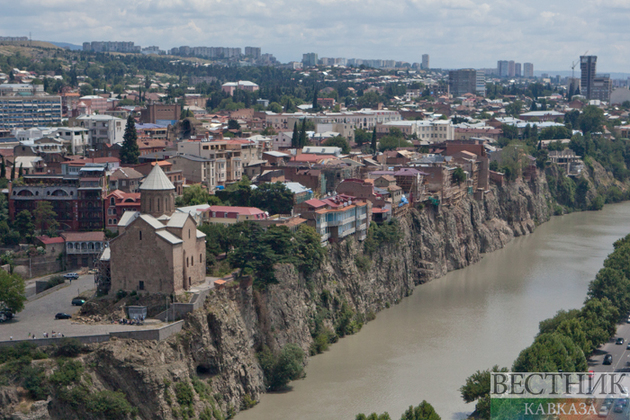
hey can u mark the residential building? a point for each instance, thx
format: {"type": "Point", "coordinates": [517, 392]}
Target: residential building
{"type": "Point", "coordinates": [29, 111]}
{"type": "Point", "coordinates": [21, 89]}
{"type": "Point", "coordinates": [502, 68]}
{"type": "Point", "coordinates": [103, 129]}
{"type": "Point", "coordinates": [117, 203]}
{"type": "Point", "coordinates": [588, 67]}
{"type": "Point", "coordinates": [517, 70]}
{"type": "Point", "coordinates": [126, 180]}
{"type": "Point", "coordinates": [82, 248]}
{"type": "Point", "coordinates": [245, 85]}
{"type": "Point", "coordinates": [425, 62]}
{"type": "Point", "coordinates": [462, 81]}
{"type": "Point", "coordinates": [337, 217]}
{"type": "Point", "coordinates": [429, 130]}
{"type": "Point", "coordinates": [77, 137]}
{"type": "Point", "coordinates": [310, 59]}
{"type": "Point", "coordinates": [253, 52]}
{"type": "Point", "coordinates": [196, 169]}
{"type": "Point", "coordinates": [528, 70]}
{"type": "Point", "coordinates": [228, 215]}
{"type": "Point", "coordinates": [77, 199]}
{"type": "Point", "coordinates": [112, 46]}
{"type": "Point", "coordinates": [511, 68]}
{"type": "Point", "coordinates": [165, 114]}
{"type": "Point", "coordinates": [601, 88]}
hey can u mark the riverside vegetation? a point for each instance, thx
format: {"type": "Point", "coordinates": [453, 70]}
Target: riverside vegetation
{"type": "Point", "coordinates": [564, 342]}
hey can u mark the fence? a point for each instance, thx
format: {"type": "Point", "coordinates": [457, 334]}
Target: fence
{"type": "Point", "coordinates": [156, 334]}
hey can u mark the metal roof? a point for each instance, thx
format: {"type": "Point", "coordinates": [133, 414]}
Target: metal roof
{"type": "Point", "coordinates": [157, 181]}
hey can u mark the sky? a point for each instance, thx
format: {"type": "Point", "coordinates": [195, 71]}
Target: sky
{"type": "Point", "coordinates": [551, 34]}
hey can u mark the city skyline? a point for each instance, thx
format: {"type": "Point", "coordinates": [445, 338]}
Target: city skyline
{"type": "Point", "coordinates": [455, 33]}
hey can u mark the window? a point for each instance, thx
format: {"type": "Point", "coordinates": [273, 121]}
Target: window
{"type": "Point", "coordinates": [112, 201]}
{"type": "Point", "coordinates": [141, 285]}
{"type": "Point", "coordinates": [186, 261]}
{"type": "Point", "coordinates": [188, 233]}
{"type": "Point", "coordinates": [192, 260]}
{"type": "Point", "coordinates": [140, 234]}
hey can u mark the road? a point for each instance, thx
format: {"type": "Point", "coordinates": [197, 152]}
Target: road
{"type": "Point", "coordinates": [38, 315]}
{"type": "Point", "coordinates": [620, 363]}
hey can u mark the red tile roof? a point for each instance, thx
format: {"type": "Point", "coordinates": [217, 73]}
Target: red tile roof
{"type": "Point", "coordinates": [49, 241]}
{"type": "Point", "coordinates": [240, 210]}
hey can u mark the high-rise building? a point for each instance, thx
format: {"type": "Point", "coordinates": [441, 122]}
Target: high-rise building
{"type": "Point", "coordinates": [310, 59]}
{"type": "Point", "coordinates": [602, 88]}
{"type": "Point", "coordinates": [425, 62]}
{"type": "Point", "coordinates": [528, 70]}
{"type": "Point", "coordinates": [511, 68]}
{"type": "Point", "coordinates": [29, 111]}
{"type": "Point", "coordinates": [517, 70]}
{"type": "Point", "coordinates": [253, 52]}
{"type": "Point", "coordinates": [588, 66]}
{"type": "Point", "coordinates": [481, 83]}
{"type": "Point", "coordinates": [462, 81]}
{"type": "Point", "coordinates": [502, 68]}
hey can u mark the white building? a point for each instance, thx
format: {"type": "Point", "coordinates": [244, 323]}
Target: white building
{"type": "Point", "coordinates": [430, 130]}
{"type": "Point", "coordinates": [76, 136]}
{"type": "Point", "coordinates": [102, 129]}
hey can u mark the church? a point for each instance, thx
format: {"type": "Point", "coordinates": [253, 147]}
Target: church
{"type": "Point", "coordinates": [158, 250]}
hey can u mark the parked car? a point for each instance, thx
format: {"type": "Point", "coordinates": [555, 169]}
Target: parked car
{"type": "Point", "coordinates": [608, 359]}
{"type": "Point", "coordinates": [619, 340]}
{"type": "Point", "coordinates": [62, 315]}
{"type": "Point", "coordinates": [78, 301]}
{"type": "Point", "coordinates": [6, 315]}
{"type": "Point", "coordinates": [71, 276]}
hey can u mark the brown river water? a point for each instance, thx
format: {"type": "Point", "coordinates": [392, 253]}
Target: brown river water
{"type": "Point", "coordinates": [425, 347]}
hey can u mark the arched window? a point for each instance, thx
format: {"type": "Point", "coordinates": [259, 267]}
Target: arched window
{"type": "Point", "coordinates": [188, 233]}
{"type": "Point", "coordinates": [70, 245]}
{"type": "Point", "coordinates": [112, 201]}
{"type": "Point", "coordinates": [158, 204]}
{"type": "Point", "coordinates": [192, 260]}
{"type": "Point", "coordinates": [140, 234]}
{"type": "Point", "coordinates": [200, 258]}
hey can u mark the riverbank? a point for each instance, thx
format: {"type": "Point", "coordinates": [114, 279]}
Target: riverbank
{"type": "Point", "coordinates": [218, 344]}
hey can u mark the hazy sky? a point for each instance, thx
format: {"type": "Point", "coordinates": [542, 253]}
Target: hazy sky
{"type": "Point", "coordinates": [455, 33]}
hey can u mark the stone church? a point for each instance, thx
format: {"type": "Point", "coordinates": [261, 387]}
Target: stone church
{"type": "Point", "coordinates": [158, 250]}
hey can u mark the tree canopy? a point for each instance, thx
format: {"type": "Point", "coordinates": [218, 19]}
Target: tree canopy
{"type": "Point", "coordinates": [11, 292]}
{"type": "Point", "coordinates": [129, 151]}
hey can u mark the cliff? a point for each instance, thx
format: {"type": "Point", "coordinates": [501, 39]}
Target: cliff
{"type": "Point", "coordinates": [215, 353]}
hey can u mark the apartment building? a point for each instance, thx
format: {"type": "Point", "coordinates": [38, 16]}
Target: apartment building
{"type": "Point", "coordinates": [77, 199]}
{"type": "Point", "coordinates": [429, 130]}
{"type": "Point", "coordinates": [337, 217]}
{"type": "Point", "coordinates": [196, 169]}
{"type": "Point", "coordinates": [29, 111]}
{"type": "Point", "coordinates": [366, 119]}
{"type": "Point", "coordinates": [102, 129]}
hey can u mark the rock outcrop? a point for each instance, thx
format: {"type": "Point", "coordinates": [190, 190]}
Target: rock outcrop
{"type": "Point", "coordinates": [215, 352]}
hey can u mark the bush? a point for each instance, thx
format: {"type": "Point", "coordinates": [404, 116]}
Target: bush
{"type": "Point", "coordinates": [69, 347]}
{"type": "Point", "coordinates": [248, 402]}
{"type": "Point", "coordinates": [54, 281]}
{"type": "Point", "coordinates": [112, 404]}
{"type": "Point", "coordinates": [348, 322]}
{"type": "Point", "coordinates": [280, 369]}
{"type": "Point", "coordinates": [184, 393]}
{"type": "Point", "coordinates": [363, 263]}
{"type": "Point", "coordinates": [68, 372]}
{"type": "Point", "coordinates": [34, 380]}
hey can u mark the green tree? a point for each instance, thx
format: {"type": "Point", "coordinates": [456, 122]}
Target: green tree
{"type": "Point", "coordinates": [86, 89]}
{"type": "Point", "coordinates": [303, 141]}
{"type": "Point", "coordinates": [550, 353]}
{"type": "Point", "coordinates": [24, 224]}
{"type": "Point", "coordinates": [477, 388]}
{"type": "Point", "coordinates": [295, 139]}
{"type": "Point", "coordinates": [274, 198]}
{"type": "Point", "coordinates": [11, 292]}
{"type": "Point", "coordinates": [459, 175]}
{"type": "Point", "coordinates": [424, 411]}
{"type": "Point", "coordinates": [280, 369]}
{"type": "Point", "coordinates": [13, 172]}
{"type": "Point", "coordinates": [233, 125]}
{"type": "Point", "coordinates": [361, 136]}
{"type": "Point", "coordinates": [612, 284]}
{"type": "Point", "coordinates": [338, 141]}
{"type": "Point", "coordinates": [599, 317]}
{"type": "Point", "coordinates": [45, 218]}
{"type": "Point", "coordinates": [509, 131]}
{"type": "Point", "coordinates": [392, 143]}
{"type": "Point", "coordinates": [194, 195]}
{"type": "Point", "coordinates": [591, 120]}
{"type": "Point", "coordinates": [21, 170]}
{"type": "Point", "coordinates": [129, 151]}
{"type": "Point", "coordinates": [3, 169]}
{"type": "Point", "coordinates": [315, 94]}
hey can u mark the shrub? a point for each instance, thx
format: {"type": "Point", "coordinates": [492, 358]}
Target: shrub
{"type": "Point", "coordinates": [68, 372]}
{"type": "Point", "coordinates": [184, 393]}
{"type": "Point", "coordinates": [34, 380]}
{"type": "Point", "coordinates": [54, 281]}
{"type": "Point", "coordinates": [112, 404]}
{"type": "Point", "coordinates": [363, 263]}
{"type": "Point", "coordinates": [69, 347]}
{"type": "Point", "coordinates": [248, 402]}
{"type": "Point", "coordinates": [280, 369]}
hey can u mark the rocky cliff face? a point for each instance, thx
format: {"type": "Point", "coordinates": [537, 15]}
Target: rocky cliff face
{"type": "Point", "coordinates": [215, 353]}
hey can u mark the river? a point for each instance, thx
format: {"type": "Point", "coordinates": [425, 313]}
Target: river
{"type": "Point", "coordinates": [426, 346]}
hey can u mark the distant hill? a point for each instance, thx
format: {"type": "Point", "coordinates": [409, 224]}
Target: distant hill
{"type": "Point", "coordinates": [567, 73]}
{"type": "Point", "coordinates": [27, 44]}
{"type": "Point", "coordinates": [67, 46]}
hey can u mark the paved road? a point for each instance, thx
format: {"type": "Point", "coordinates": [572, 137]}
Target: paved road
{"type": "Point", "coordinates": [620, 363]}
{"type": "Point", "coordinates": [39, 315]}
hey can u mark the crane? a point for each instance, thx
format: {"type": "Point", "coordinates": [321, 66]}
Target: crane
{"type": "Point", "coordinates": [575, 64]}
